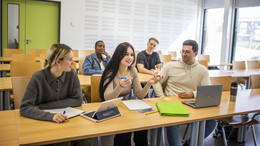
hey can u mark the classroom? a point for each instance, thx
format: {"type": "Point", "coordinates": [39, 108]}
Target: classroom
{"type": "Point", "coordinates": [159, 54]}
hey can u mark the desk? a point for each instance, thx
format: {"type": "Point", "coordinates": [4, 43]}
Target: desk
{"type": "Point", "coordinates": [3, 69]}
{"type": "Point", "coordinates": [35, 132]}
{"type": "Point", "coordinates": [234, 73]}
{"type": "Point", "coordinates": [8, 130]}
{"type": "Point", "coordinates": [9, 59]}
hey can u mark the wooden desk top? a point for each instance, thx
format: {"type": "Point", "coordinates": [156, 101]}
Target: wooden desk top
{"type": "Point", "coordinates": [41, 132]}
{"type": "Point", "coordinates": [9, 59]}
{"type": "Point", "coordinates": [5, 67]}
{"type": "Point", "coordinates": [234, 73]}
{"type": "Point", "coordinates": [220, 64]}
{"type": "Point", "coordinates": [8, 130]}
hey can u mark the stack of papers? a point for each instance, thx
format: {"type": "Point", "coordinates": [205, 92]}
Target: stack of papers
{"type": "Point", "coordinates": [69, 111]}
{"type": "Point", "coordinates": [134, 105]}
{"type": "Point", "coordinates": [172, 109]}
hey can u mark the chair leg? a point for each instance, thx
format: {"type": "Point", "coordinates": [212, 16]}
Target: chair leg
{"type": "Point", "coordinates": [224, 135]}
{"type": "Point", "coordinates": [230, 133]}
{"type": "Point", "coordinates": [254, 135]}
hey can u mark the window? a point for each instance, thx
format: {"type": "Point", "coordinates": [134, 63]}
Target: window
{"type": "Point", "coordinates": [247, 34]}
{"type": "Point", "coordinates": [212, 34]}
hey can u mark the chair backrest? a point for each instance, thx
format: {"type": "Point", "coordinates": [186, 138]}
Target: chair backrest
{"type": "Point", "coordinates": [95, 82]}
{"type": "Point", "coordinates": [224, 80]}
{"type": "Point", "coordinates": [10, 52]}
{"type": "Point", "coordinates": [159, 52]}
{"type": "Point", "coordinates": [166, 58]}
{"type": "Point", "coordinates": [24, 68]}
{"type": "Point", "coordinates": [36, 52]}
{"type": "Point", "coordinates": [253, 64]}
{"type": "Point", "coordinates": [19, 85]}
{"type": "Point", "coordinates": [74, 66]}
{"type": "Point", "coordinates": [81, 62]}
{"type": "Point", "coordinates": [255, 81]}
{"type": "Point", "coordinates": [75, 53]}
{"type": "Point", "coordinates": [23, 58]}
{"type": "Point", "coordinates": [203, 57]}
{"type": "Point", "coordinates": [173, 54]}
{"type": "Point", "coordinates": [84, 53]}
{"type": "Point", "coordinates": [204, 62]}
{"type": "Point", "coordinates": [239, 65]}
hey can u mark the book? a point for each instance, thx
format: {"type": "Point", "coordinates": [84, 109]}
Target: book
{"type": "Point", "coordinates": [68, 111]}
{"type": "Point", "coordinates": [172, 109]}
{"type": "Point", "coordinates": [134, 105]}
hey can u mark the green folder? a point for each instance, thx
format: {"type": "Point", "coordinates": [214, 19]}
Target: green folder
{"type": "Point", "coordinates": [172, 109]}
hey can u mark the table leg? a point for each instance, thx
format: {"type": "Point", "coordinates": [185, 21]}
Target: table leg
{"type": "Point", "coordinates": [201, 133]}
{"type": "Point", "coordinates": [1, 101]}
{"type": "Point", "coordinates": [194, 134]}
{"type": "Point", "coordinates": [7, 103]}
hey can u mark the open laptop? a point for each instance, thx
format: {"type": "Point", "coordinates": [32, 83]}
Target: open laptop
{"type": "Point", "coordinates": [209, 95]}
{"type": "Point", "coordinates": [102, 107]}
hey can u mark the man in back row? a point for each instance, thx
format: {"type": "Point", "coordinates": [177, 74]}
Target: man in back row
{"type": "Point", "coordinates": [148, 61]}
{"type": "Point", "coordinates": [183, 77]}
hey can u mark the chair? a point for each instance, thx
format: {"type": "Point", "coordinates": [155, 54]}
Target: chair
{"type": "Point", "coordinates": [224, 80]}
{"type": "Point", "coordinates": [159, 52]}
{"type": "Point", "coordinates": [204, 62]}
{"type": "Point", "coordinates": [10, 52]}
{"type": "Point", "coordinates": [19, 85]}
{"type": "Point", "coordinates": [24, 68]}
{"type": "Point", "coordinates": [81, 62]}
{"type": "Point", "coordinates": [84, 53]}
{"type": "Point", "coordinates": [253, 64]}
{"type": "Point", "coordinates": [234, 121]}
{"type": "Point", "coordinates": [203, 57]}
{"type": "Point", "coordinates": [36, 52]}
{"type": "Point", "coordinates": [75, 53]}
{"type": "Point", "coordinates": [173, 54]}
{"type": "Point", "coordinates": [43, 57]}
{"type": "Point", "coordinates": [239, 65]}
{"type": "Point", "coordinates": [23, 58]}
{"type": "Point", "coordinates": [95, 82]}
{"type": "Point", "coordinates": [166, 58]}
{"type": "Point", "coordinates": [254, 79]}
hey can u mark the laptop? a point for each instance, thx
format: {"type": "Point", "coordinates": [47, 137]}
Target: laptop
{"type": "Point", "coordinates": [209, 95]}
{"type": "Point", "coordinates": [109, 104]}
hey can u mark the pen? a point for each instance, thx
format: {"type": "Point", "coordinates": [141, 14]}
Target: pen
{"type": "Point", "coordinates": [151, 112]}
{"type": "Point", "coordinates": [122, 77]}
{"type": "Point", "coordinates": [64, 112]}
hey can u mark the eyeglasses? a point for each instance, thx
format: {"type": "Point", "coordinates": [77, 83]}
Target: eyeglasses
{"type": "Point", "coordinates": [186, 51]}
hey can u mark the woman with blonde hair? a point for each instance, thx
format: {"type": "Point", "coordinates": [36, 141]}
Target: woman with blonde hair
{"type": "Point", "coordinates": [55, 86]}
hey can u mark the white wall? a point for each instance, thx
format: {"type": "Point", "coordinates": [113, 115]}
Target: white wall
{"type": "Point", "coordinates": [83, 22]}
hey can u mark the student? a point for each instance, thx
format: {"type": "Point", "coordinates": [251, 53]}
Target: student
{"type": "Point", "coordinates": [148, 60]}
{"type": "Point", "coordinates": [183, 77]}
{"type": "Point", "coordinates": [95, 63]}
{"type": "Point", "coordinates": [55, 86]}
{"type": "Point", "coordinates": [117, 80]}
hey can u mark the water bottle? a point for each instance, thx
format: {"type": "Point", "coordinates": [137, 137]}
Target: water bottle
{"type": "Point", "coordinates": [233, 91]}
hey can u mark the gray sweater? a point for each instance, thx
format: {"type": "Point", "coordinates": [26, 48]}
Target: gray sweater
{"type": "Point", "coordinates": [48, 92]}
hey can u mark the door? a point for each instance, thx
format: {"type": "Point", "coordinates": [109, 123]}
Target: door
{"type": "Point", "coordinates": [38, 24]}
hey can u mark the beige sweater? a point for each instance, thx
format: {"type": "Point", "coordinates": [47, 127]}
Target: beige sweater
{"type": "Point", "coordinates": [115, 90]}
{"type": "Point", "coordinates": [181, 77]}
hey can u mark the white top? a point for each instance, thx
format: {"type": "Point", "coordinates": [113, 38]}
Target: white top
{"type": "Point", "coordinates": [102, 65]}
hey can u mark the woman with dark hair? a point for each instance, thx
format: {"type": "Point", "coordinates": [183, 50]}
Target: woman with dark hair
{"type": "Point", "coordinates": [117, 80]}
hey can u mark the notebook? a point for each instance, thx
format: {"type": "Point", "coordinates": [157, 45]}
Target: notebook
{"type": "Point", "coordinates": [134, 105]}
{"type": "Point", "coordinates": [206, 96]}
{"type": "Point", "coordinates": [172, 109]}
{"type": "Point", "coordinates": [69, 111]}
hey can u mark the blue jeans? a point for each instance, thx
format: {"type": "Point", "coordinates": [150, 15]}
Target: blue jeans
{"type": "Point", "coordinates": [174, 136]}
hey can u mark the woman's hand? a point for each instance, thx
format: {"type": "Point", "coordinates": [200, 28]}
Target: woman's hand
{"type": "Point", "coordinates": [60, 118]}
{"type": "Point", "coordinates": [155, 79]}
{"type": "Point", "coordinates": [125, 82]}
